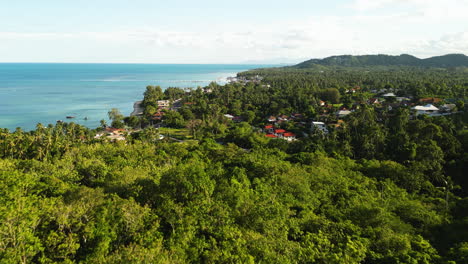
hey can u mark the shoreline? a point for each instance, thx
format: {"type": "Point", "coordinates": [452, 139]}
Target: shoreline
{"type": "Point", "coordinates": [27, 106]}
{"type": "Point", "coordinates": [137, 109]}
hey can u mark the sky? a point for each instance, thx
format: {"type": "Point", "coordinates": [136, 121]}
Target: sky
{"type": "Point", "coordinates": [216, 31]}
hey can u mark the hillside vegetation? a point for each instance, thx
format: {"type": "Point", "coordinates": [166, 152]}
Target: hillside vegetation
{"type": "Point", "coordinates": [450, 60]}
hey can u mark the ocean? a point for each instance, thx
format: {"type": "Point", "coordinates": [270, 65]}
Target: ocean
{"type": "Point", "coordinates": [32, 93]}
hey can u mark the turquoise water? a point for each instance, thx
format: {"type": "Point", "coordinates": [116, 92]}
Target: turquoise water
{"type": "Point", "coordinates": [47, 92]}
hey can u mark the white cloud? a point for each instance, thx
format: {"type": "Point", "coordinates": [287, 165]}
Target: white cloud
{"type": "Point", "coordinates": [365, 5]}
{"type": "Point", "coordinates": [450, 43]}
{"type": "Point", "coordinates": [425, 30]}
{"type": "Point", "coordinates": [422, 11]}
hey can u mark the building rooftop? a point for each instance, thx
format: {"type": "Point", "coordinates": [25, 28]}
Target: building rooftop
{"type": "Point", "coordinates": [428, 107]}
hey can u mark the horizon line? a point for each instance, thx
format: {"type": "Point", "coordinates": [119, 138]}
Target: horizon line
{"type": "Point", "coordinates": [148, 63]}
{"type": "Point", "coordinates": [227, 63]}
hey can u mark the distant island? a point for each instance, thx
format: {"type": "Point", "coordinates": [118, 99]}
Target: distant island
{"type": "Point", "coordinates": [445, 61]}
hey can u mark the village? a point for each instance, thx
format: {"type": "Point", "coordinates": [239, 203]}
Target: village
{"type": "Point", "coordinates": [291, 127]}
{"type": "Point", "coordinates": [333, 116]}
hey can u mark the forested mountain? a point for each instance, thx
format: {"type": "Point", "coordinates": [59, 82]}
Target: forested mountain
{"type": "Point", "coordinates": [450, 60]}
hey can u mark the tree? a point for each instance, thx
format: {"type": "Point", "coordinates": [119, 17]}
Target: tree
{"type": "Point", "coordinates": [367, 136]}
{"type": "Point", "coordinates": [152, 95]}
{"type": "Point", "coordinates": [430, 160]}
{"type": "Point", "coordinates": [249, 116]}
{"type": "Point", "coordinates": [115, 115]}
{"type": "Point", "coordinates": [173, 93]}
{"type": "Point", "coordinates": [150, 134]}
{"type": "Point", "coordinates": [174, 119]}
{"type": "Point", "coordinates": [186, 113]}
{"type": "Point", "coordinates": [193, 126]}
{"type": "Point", "coordinates": [133, 121]}
{"type": "Point", "coordinates": [330, 95]}
{"type": "Point", "coordinates": [118, 124]}
{"type": "Point", "coordinates": [460, 105]}
{"type": "Point", "coordinates": [150, 110]}
{"type": "Point", "coordinates": [103, 123]}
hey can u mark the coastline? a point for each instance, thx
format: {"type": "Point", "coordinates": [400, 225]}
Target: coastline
{"type": "Point", "coordinates": [137, 109]}
{"type": "Point", "coordinates": [46, 93]}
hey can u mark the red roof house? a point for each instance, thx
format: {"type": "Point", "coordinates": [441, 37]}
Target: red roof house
{"type": "Point", "coordinates": [430, 100]}
{"type": "Point", "coordinates": [289, 136]}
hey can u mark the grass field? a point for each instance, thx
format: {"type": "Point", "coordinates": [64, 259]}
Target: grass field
{"type": "Point", "coordinates": [178, 133]}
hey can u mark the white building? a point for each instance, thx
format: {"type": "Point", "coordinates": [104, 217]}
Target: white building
{"type": "Point", "coordinates": [164, 104]}
{"type": "Point", "coordinates": [289, 136]}
{"type": "Point", "coordinates": [320, 126]}
{"type": "Point", "coordinates": [343, 113]}
{"type": "Point", "coordinates": [428, 109]}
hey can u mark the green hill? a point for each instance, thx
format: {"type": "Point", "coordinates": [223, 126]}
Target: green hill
{"type": "Point", "coordinates": [450, 60]}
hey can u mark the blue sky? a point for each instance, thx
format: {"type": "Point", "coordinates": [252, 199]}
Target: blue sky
{"type": "Point", "coordinates": [207, 31]}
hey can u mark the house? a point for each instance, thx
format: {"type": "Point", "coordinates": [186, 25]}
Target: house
{"type": "Point", "coordinates": [428, 109]}
{"type": "Point", "coordinates": [273, 132]}
{"type": "Point", "coordinates": [164, 104]}
{"type": "Point", "coordinates": [228, 116]}
{"type": "Point", "coordinates": [343, 113]}
{"type": "Point", "coordinates": [158, 115]}
{"type": "Point", "coordinates": [389, 95]}
{"type": "Point", "coordinates": [430, 100]}
{"type": "Point", "coordinates": [115, 137]}
{"type": "Point", "coordinates": [339, 124]}
{"type": "Point", "coordinates": [374, 101]}
{"type": "Point", "coordinates": [279, 132]}
{"type": "Point", "coordinates": [319, 126]}
{"type": "Point", "coordinates": [322, 103]}
{"type": "Point", "coordinates": [269, 129]}
{"type": "Point", "coordinates": [272, 119]}
{"type": "Point", "coordinates": [289, 136]}
{"type": "Point", "coordinates": [283, 118]}
{"type": "Point", "coordinates": [113, 134]}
